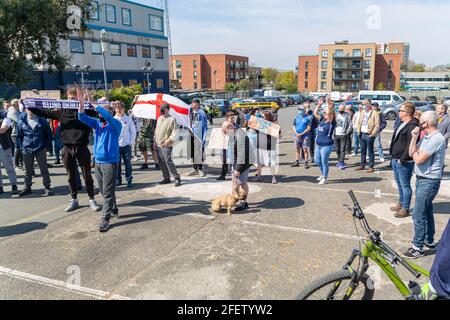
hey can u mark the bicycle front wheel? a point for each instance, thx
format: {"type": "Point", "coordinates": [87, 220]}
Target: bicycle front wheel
{"type": "Point", "coordinates": [335, 286]}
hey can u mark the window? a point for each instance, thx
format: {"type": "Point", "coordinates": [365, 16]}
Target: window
{"type": "Point", "coordinates": [156, 23]}
{"type": "Point", "coordinates": [96, 47]}
{"type": "Point", "coordinates": [389, 86]}
{"type": "Point", "coordinates": [356, 75]}
{"type": "Point", "coordinates": [367, 64]}
{"type": "Point", "coordinates": [368, 52]}
{"type": "Point", "coordinates": [366, 85]}
{"type": "Point", "coordinates": [306, 65]}
{"type": "Point", "coordinates": [324, 64]}
{"type": "Point", "coordinates": [195, 75]}
{"type": "Point", "coordinates": [323, 75]}
{"type": "Point", "coordinates": [195, 85]}
{"type": "Point", "coordinates": [366, 75]}
{"type": "Point", "coordinates": [391, 63]}
{"type": "Point", "coordinates": [323, 85]}
{"type": "Point", "coordinates": [356, 64]}
{"type": "Point", "coordinates": [94, 13]}
{"type": "Point", "coordinates": [146, 53]}
{"type": "Point", "coordinates": [339, 53]}
{"type": "Point", "coordinates": [194, 63]}
{"type": "Point", "coordinates": [126, 17]}
{"type": "Point", "coordinates": [76, 46]}
{"type": "Point", "coordinates": [115, 49]}
{"type": "Point", "coordinates": [390, 75]}
{"type": "Point", "coordinates": [397, 98]}
{"type": "Point", "coordinates": [159, 53]}
{"type": "Point", "coordinates": [160, 84]}
{"type": "Point", "coordinates": [179, 75]}
{"type": "Point", "coordinates": [178, 63]}
{"type": "Point", "coordinates": [306, 75]}
{"type": "Point", "coordinates": [306, 84]}
{"type": "Point", "coordinates": [324, 53]}
{"type": "Point", "coordinates": [131, 50]}
{"type": "Point", "coordinates": [357, 52]}
{"type": "Point", "coordinates": [110, 13]}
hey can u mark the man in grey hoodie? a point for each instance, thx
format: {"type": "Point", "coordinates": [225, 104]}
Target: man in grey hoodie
{"type": "Point", "coordinates": [444, 121]}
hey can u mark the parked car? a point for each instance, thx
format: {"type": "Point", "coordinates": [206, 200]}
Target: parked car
{"type": "Point", "coordinates": [446, 101]}
{"type": "Point", "coordinates": [414, 98]}
{"type": "Point", "coordinates": [390, 111]}
{"type": "Point", "coordinates": [298, 98]}
{"type": "Point", "coordinates": [221, 104]}
{"type": "Point", "coordinates": [431, 99]}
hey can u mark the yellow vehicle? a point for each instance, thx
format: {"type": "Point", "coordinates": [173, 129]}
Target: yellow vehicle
{"type": "Point", "coordinates": [256, 105]}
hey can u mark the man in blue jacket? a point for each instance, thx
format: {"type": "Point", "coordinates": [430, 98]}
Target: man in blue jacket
{"type": "Point", "coordinates": [34, 138]}
{"type": "Point", "coordinates": [106, 152]}
{"type": "Point", "coordinates": [199, 126]}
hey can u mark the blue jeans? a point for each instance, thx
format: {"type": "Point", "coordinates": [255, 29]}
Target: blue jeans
{"type": "Point", "coordinates": [356, 141]}
{"type": "Point", "coordinates": [125, 154]}
{"type": "Point", "coordinates": [403, 174]}
{"type": "Point", "coordinates": [379, 146]}
{"type": "Point", "coordinates": [367, 144]}
{"type": "Point", "coordinates": [322, 156]}
{"type": "Point", "coordinates": [424, 228]}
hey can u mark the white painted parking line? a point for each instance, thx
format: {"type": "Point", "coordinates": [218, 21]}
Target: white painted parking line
{"type": "Point", "coordinates": [284, 228]}
{"type": "Point", "coordinates": [57, 284]}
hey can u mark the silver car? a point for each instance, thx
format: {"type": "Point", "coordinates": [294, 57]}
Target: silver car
{"type": "Point", "coordinates": [390, 111]}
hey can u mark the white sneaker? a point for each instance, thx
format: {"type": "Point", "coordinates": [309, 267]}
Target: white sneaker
{"type": "Point", "coordinates": [94, 206]}
{"type": "Point", "coordinates": [73, 205]}
{"type": "Point", "coordinates": [323, 181]}
{"type": "Point", "coordinates": [382, 160]}
{"type": "Point", "coordinates": [201, 173]}
{"type": "Point", "coordinates": [320, 178]}
{"type": "Point", "coordinates": [193, 173]}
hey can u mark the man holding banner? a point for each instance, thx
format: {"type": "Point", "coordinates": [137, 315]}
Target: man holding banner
{"type": "Point", "coordinates": [75, 138]}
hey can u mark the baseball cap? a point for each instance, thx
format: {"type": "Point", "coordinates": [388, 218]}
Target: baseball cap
{"type": "Point", "coordinates": [195, 100]}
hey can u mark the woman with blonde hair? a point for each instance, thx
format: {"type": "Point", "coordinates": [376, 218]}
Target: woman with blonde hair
{"type": "Point", "coordinates": [324, 138]}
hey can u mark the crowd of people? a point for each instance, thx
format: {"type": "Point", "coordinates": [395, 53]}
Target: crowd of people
{"type": "Point", "coordinates": [418, 146]}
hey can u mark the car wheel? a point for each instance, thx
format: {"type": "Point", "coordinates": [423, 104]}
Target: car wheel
{"type": "Point", "coordinates": [391, 116]}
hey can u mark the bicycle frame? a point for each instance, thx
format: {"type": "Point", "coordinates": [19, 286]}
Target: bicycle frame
{"type": "Point", "coordinates": [375, 253]}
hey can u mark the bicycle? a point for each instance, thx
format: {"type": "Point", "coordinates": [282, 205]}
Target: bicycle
{"type": "Point", "coordinates": [376, 250]}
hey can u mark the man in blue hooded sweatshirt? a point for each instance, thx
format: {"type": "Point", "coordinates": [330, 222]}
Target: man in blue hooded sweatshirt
{"type": "Point", "coordinates": [106, 152]}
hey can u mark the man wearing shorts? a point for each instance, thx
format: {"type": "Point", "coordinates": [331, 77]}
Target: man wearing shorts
{"type": "Point", "coordinates": [302, 131]}
{"type": "Point", "coordinates": [146, 142]}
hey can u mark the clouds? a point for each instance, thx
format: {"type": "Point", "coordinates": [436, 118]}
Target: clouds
{"type": "Point", "coordinates": [275, 32]}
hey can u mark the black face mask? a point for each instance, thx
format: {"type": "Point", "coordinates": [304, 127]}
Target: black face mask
{"type": "Point", "coordinates": [164, 111]}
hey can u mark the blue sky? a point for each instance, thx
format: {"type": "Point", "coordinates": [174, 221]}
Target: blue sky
{"type": "Point", "coordinates": [275, 32]}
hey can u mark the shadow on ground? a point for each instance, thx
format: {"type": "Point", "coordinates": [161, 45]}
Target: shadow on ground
{"type": "Point", "coordinates": [21, 228]}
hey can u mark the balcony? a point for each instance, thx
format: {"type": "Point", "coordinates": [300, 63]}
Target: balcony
{"type": "Point", "coordinates": [348, 56]}
{"type": "Point", "coordinates": [347, 78]}
{"type": "Point", "coordinates": [347, 66]}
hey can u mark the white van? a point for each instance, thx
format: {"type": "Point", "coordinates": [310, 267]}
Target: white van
{"type": "Point", "coordinates": [380, 97]}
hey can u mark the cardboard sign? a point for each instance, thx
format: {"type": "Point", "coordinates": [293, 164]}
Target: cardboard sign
{"type": "Point", "coordinates": [256, 105]}
{"type": "Point", "coordinates": [264, 126]}
{"type": "Point", "coordinates": [218, 140]}
{"type": "Point", "coordinates": [46, 94]}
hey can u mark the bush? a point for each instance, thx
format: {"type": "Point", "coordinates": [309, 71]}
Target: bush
{"type": "Point", "coordinates": [124, 94]}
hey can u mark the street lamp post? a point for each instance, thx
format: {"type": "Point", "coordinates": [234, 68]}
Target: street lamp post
{"type": "Point", "coordinates": [103, 44]}
{"type": "Point", "coordinates": [83, 72]}
{"type": "Point", "coordinates": [215, 83]}
{"type": "Point", "coordinates": [257, 79]}
{"type": "Point", "coordinates": [148, 71]}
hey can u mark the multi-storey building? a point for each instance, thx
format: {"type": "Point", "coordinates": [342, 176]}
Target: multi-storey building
{"type": "Point", "coordinates": [135, 38]}
{"type": "Point", "coordinates": [349, 67]}
{"type": "Point", "coordinates": [208, 71]}
{"type": "Point", "coordinates": [426, 81]}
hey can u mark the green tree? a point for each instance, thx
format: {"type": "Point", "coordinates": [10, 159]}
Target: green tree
{"type": "Point", "coordinates": [29, 35]}
{"type": "Point", "coordinates": [381, 86]}
{"type": "Point", "coordinates": [286, 82]}
{"type": "Point", "coordinates": [123, 94]}
{"type": "Point", "coordinates": [269, 75]}
{"type": "Point", "coordinates": [244, 85]}
{"type": "Point", "coordinates": [229, 86]}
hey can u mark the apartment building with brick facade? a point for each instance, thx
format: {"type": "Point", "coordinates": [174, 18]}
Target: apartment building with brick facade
{"type": "Point", "coordinates": [350, 67]}
{"type": "Point", "coordinates": [208, 71]}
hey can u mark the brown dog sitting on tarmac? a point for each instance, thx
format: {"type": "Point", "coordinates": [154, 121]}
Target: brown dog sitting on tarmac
{"type": "Point", "coordinates": [229, 202]}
